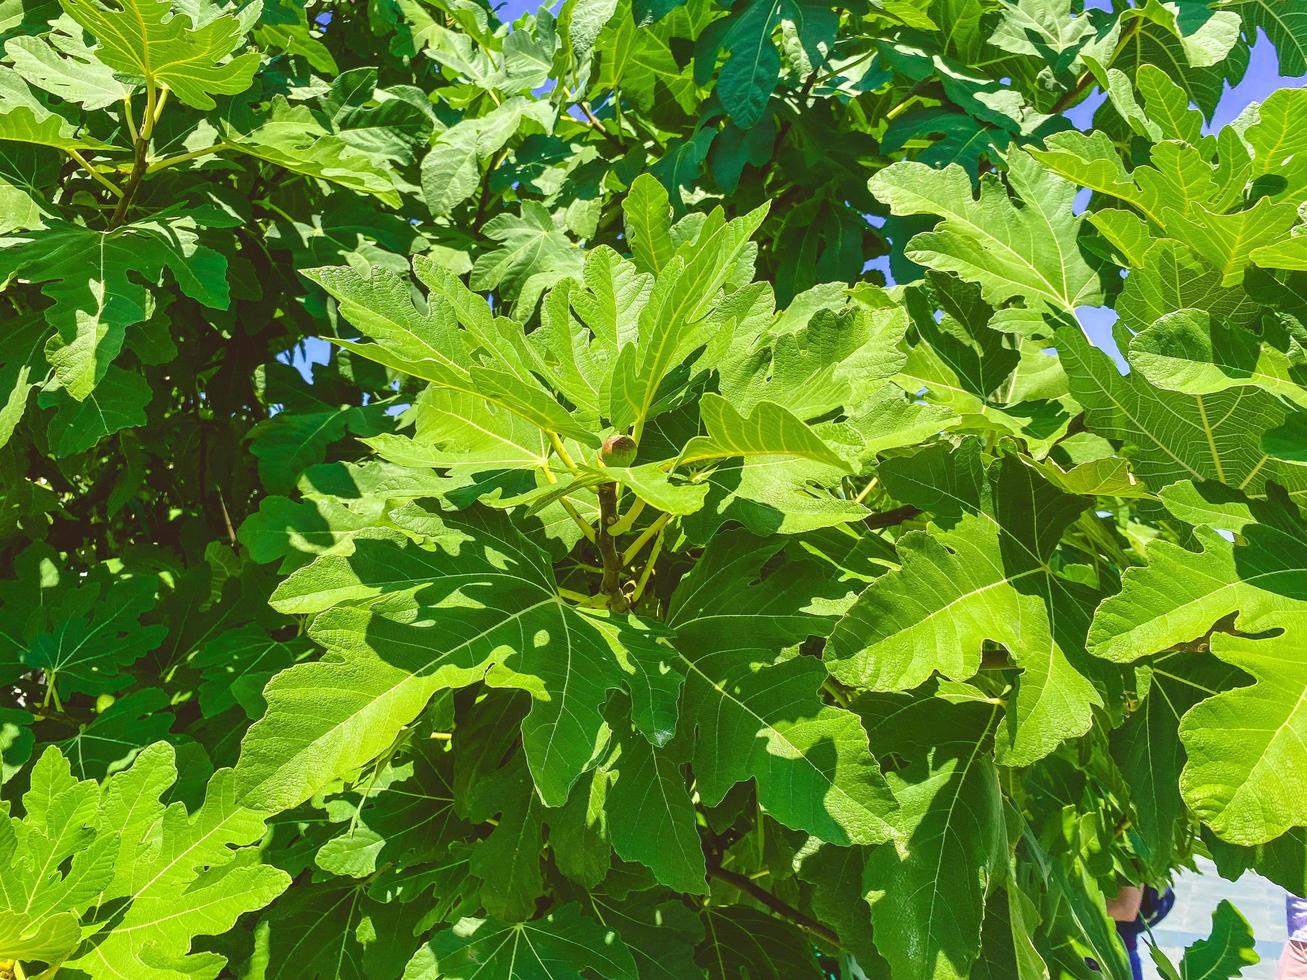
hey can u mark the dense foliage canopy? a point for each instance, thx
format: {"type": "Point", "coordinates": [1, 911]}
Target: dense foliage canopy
{"type": "Point", "coordinates": [644, 586]}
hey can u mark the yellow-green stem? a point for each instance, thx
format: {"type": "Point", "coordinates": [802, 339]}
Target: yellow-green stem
{"type": "Point", "coordinates": [95, 174]}
{"type": "Point", "coordinates": [581, 522]}
{"type": "Point", "coordinates": [610, 583]}
{"type": "Point", "coordinates": [147, 121]}
{"type": "Point", "coordinates": [648, 568]}
{"type": "Point", "coordinates": [563, 454]}
{"type": "Point", "coordinates": [172, 161]}
{"type": "Point", "coordinates": [625, 522]}
{"type": "Point", "coordinates": [129, 117]}
{"type": "Point", "coordinates": [833, 689]}
{"type": "Point", "coordinates": [52, 693]}
{"type": "Point", "coordinates": [158, 106]}
{"type": "Point", "coordinates": [644, 537]}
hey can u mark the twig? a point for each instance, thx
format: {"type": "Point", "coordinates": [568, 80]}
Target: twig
{"type": "Point", "coordinates": [484, 198]}
{"type": "Point", "coordinates": [780, 907]}
{"type": "Point", "coordinates": [155, 100]}
{"type": "Point", "coordinates": [596, 124]}
{"type": "Point", "coordinates": [1073, 94]}
{"type": "Point", "coordinates": [139, 167]}
{"type": "Point", "coordinates": [226, 518]}
{"type": "Point", "coordinates": [889, 518]}
{"type": "Point", "coordinates": [594, 121]}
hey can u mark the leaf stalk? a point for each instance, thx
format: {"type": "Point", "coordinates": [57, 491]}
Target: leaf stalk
{"type": "Point", "coordinates": [173, 161]}
{"type": "Point", "coordinates": [154, 103]}
{"type": "Point", "coordinates": [100, 178]}
{"type": "Point", "coordinates": [562, 452]}
{"type": "Point", "coordinates": [644, 537]}
{"type": "Point", "coordinates": [581, 522]}
{"type": "Point", "coordinates": [627, 520]}
{"type": "Point", "coordinates": [643, 580]}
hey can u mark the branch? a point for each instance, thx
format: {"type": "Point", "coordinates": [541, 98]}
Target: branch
{"type": "Point", "coordinates": [1083, 83]}
{"type": "Point", "coordinates": [139, 166]}
{"type": "Point", "coordinates": [484, 198]}
{"type": "Point", "coordinates": [611, 584]}
{"type": "Point", "coordinates": [781, 908]}
{"type": "Point", "coordinates": [788, 124]}
{"type": "Point", "coordinates": [889, 518]}
{"type": "Point", "coordinates": [593, 121]}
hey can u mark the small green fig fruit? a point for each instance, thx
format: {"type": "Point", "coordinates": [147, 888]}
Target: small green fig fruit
{"type": "Point", "coordinates": [618, 450]}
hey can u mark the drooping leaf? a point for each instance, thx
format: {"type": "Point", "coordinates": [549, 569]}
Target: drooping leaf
{"type": "Point", "coordinates": [927, 890]}
{"type": "Point", "coordinates": [1239, 786]}
{"type": "Point", "coordinates": [981, 574]}
{"type": "Point", "coordinates": [94, 280]}
{"type": "Point", "coordinates": [560, 945]}
{"type": "Point", "coordinates": [1224, 953]}
{"type": "Point", "coordinates": [762, 719]}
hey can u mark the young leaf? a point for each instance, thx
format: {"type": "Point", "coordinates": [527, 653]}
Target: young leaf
{"type": "Point", "coordinates": [1031, 251]}
{"type": "Point", "coordinates": [147, 39]}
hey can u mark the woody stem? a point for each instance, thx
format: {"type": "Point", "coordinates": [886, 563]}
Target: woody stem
{"type": "Point", "coordinates": [611, 583]}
